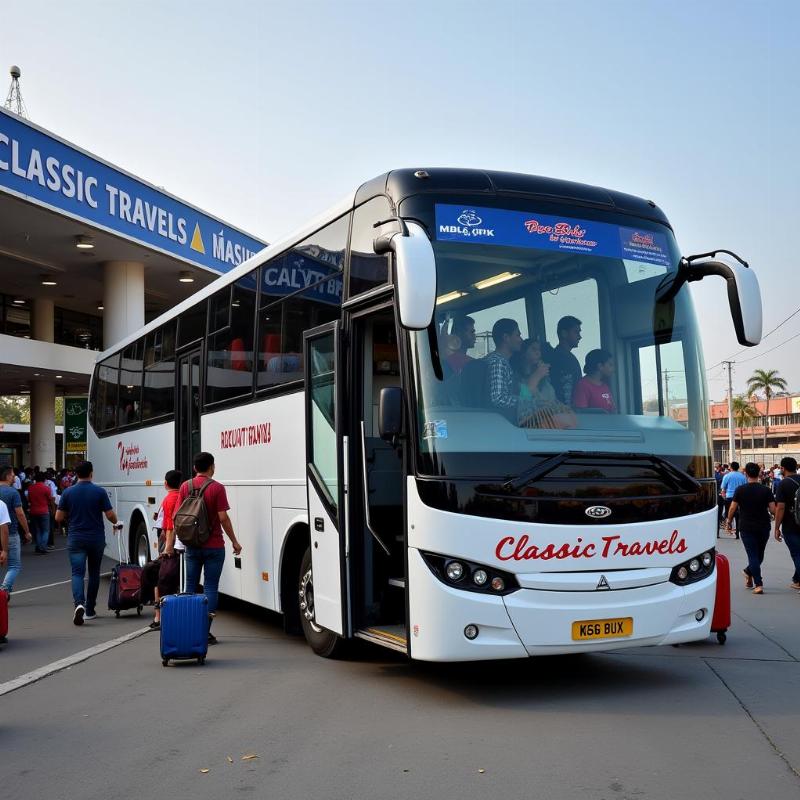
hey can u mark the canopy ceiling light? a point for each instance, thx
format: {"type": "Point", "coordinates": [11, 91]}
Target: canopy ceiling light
{"type": "Point", "coordinates": [84, 242]}
{"type": "Point", "coordinates": [186, 277]}
{"type": "Point", "coordinates": [495, 279]}
{"type": "Point", "coordinates": [48, 280]}
{"type": "Point", "coordinates": [18, 301]}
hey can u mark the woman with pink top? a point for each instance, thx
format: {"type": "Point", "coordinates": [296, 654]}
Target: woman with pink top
{"type": "Point", "coordinates": [593, 391]}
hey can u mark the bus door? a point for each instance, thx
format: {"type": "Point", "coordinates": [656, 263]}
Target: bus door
{"type": "Point", "coordinates": [187, 411]}
{"type": "Point", "coordinates": [324, 470]}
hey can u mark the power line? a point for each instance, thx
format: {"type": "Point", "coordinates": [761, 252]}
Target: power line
{"type": "Point", "coordinates": [759, 355]}
{"type": "Point", "coordinates": [745, 349]}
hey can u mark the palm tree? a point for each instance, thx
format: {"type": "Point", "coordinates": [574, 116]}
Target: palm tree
{"type": "Point", "coordinates": [766, 380]}
{"type": "Point", "coordinates": [743, 416]}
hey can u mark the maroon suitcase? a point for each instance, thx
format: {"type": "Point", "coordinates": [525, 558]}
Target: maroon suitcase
{"type": "Point", "coordinates": [721, 619]}
{"type": "Point", "coordinates": [3, 616]}
{"type": "Point", "coordinates": [124, 591]}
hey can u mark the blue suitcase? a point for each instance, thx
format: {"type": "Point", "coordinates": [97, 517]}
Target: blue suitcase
{"type": "Point", "coordinates": [184, 626]}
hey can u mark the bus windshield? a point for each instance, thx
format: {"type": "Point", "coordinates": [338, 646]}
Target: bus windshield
{"type": "Point", "coordinates": [548, 338]}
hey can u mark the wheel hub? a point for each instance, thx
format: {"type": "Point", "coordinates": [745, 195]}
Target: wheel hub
{"type": "Point", "coordinates": [307, 599]}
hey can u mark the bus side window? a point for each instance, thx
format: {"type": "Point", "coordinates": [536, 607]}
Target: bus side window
{"type": "Point", "coordinates": [300, 290]}
{"type": "Point", "coordinates": [231, 320]}
{"type": "Point", "coordinates": [158, 399]}
{"type": "Point", "coordinates": [368, 270]}
{"type": "Point", "coordinates": [129, 403]}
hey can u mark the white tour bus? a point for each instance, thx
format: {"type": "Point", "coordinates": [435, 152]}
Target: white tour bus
{"type": "Point", "coordinates": [391, 475]}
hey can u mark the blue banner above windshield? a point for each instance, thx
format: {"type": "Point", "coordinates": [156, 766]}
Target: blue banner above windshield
{"type": "Point", "coordinates": [500, 226]}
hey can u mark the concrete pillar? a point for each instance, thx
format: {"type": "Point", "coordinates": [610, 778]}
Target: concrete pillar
{"type": "Point", "coordinates": [123, 300]}
{"type": "Point", "coordinates": [43, 424]}
{"type": "Point", "coordinates": [43, 319]}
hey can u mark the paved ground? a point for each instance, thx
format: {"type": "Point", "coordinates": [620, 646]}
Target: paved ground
{"type": "Point", "coordinates": [699, 721]}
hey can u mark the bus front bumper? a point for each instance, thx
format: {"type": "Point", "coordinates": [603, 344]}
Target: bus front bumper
{"type": "Point", "coordinates": [535, 622]}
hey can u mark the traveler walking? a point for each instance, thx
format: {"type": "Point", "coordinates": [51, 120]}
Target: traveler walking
{"type": "Point", "coordinates": [210, 556]}
{"type": "Point", "coordinates": [17, 524]}
{"type": "Point", "coordinates": [730, 483]}
{"type": "Point", "coordinates": [719, 474]}
{"type": "Point", "coordinates": [169, 561]}
{"type": "Point", "coordinates": [83, 507]}
{"type": "Point", "coordinates": [754, 503]}
{"type": "Point", "coordinates": [40, 502]}
{"type": "Point", "coordinates": [786, 526]}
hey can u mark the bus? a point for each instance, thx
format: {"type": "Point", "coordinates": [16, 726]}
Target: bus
{"type": "Point", "coordinates": [391, 473]}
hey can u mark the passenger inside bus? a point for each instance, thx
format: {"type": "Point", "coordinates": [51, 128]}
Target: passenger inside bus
{"type": "Point", "coordinates": [593, 390]}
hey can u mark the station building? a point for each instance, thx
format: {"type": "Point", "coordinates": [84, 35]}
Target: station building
{"type": "Point", "coordinates": [88, 254]}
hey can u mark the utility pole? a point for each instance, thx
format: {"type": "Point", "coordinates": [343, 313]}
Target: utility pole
{"type": "Point", "coordinates": [666, 392]}
{"type": "Point", "coordinates": [731, 431]}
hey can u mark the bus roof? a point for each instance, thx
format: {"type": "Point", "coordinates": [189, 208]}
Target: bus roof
{"type": "Point", "coordinates": [402, 183]}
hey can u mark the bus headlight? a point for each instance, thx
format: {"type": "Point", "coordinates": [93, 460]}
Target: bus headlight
{"type": "Point", "coordinates": [480, 577]}
{"type": "Point", "coordinates": [485, 579]}
{"type": "Point", "coordinates": [695, 569]}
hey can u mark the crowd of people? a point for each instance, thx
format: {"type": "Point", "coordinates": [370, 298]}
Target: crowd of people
{"type": "Point", "coordinates": [533, 383]}
{"type": "Point", "coordinates": [754, 501]}
{"type": "Point", "coordinates": [30, 510]}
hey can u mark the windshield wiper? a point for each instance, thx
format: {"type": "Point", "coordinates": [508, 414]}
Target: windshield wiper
{"type": "Point", "coordinates": [665, 468]}
{"type": "Point", "coordinates": [540, 470]}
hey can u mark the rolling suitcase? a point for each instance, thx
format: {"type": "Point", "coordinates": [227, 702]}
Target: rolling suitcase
{"type": "Point", "coordinates": [184, 624]}
{"type": "Point", "coordinates": [721, 619]}
{"type": "Point", "coordinates": [124, 592]}
{"type": "Point", "coordinates": [3, 616]}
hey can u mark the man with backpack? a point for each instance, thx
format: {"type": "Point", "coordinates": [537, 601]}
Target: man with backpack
{"type": "Point", "coordinates": [787, 514]}
{"type": "Point", "coordinates": [199, 522]}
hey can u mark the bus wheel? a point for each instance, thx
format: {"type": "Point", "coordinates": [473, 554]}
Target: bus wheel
{"type": "Point", "coordinates": [141, 546]}
{"type": "Point", "coordinates": [323, 642]}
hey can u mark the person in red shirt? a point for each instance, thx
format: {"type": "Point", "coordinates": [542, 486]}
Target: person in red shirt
{"type": "Point", "coordinates": [211, 556]}
{"type": "Point", "coordinates": [40, 504]}
{"type": "Point", "coordinates": [167, 568]}
{"type": "Point", "coordinates": [593, 391]}
{"type": "Point", "coordinates": [464, 333]}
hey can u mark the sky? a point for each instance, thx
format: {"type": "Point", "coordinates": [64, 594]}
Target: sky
{"type": "Point", "coordinates": [266, 113]}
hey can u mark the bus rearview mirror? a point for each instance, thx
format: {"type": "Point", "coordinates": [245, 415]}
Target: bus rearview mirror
{"type": "Point", "coordinates": [390, 413]}
{"type": "Point", "coordinates": [744, 294]}
{"type": "Point", "coordinates": [415, 277]}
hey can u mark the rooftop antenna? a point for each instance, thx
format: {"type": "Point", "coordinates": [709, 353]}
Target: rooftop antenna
{"type": "Point", "coordinates": [14, 101]}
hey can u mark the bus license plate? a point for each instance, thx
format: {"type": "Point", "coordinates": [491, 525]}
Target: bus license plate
{"type": "Point", "coordinates": [602, 628]}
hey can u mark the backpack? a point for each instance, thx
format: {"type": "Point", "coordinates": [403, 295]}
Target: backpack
{"type": "Point", "coordinates": [191, 519]}
{"type": "Point", "coordinates": [795, 509]}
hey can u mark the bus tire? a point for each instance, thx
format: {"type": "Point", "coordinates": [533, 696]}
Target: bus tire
{"type": "Point", "coordinates": [140, 550]}
{"type": "Point", "coordinates": [323, 642]}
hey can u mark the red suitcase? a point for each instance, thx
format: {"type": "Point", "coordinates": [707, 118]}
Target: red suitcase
{"type": "Point", "coordinates": [3, 616]}
{"type": "Point", "coordinates": [721, 619]}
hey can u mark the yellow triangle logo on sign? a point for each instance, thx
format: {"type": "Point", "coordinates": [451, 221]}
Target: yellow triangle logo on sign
{"type": "Point", "coordinates": [197, 240]}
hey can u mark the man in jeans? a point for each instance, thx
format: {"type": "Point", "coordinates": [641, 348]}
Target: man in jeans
{"type": "Point", "coordinates": [40, 503]}
{"type": "Point", "coordinates": [730, 483]}
{"type": "Point", "coordinates": [786, 528]}
{"type": "Point", "coordinates": [754, 503]}
{"type": "Point", "coordinates": [211, 556]}
{"type": "Point", "coordinates": [10, 496]}
{"type": "Point", "coordinates": [84, 506]}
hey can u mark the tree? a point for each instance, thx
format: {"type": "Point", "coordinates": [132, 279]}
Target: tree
{"type": "Point", "coordinates": [743, 416]}
{"type": "Point", "coordinates": [15, 409]}
{"type": "Point", "coordinates": [766, 381]}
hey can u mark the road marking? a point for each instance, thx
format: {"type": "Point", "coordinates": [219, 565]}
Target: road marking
{"type": "Point", "coordinates": [58, 666]}
{"type": "Point", "coordinates": [50, 585]}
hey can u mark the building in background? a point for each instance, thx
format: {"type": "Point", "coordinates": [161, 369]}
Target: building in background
{"type": "Point", "coordinates": [88, 254]}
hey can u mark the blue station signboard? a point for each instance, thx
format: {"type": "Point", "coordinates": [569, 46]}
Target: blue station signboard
{"type": "Point", "coordinates": [39, 167]}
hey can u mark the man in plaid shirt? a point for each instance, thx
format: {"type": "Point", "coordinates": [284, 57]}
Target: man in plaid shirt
{"type": "Point", "coordinates": [503, 386]}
